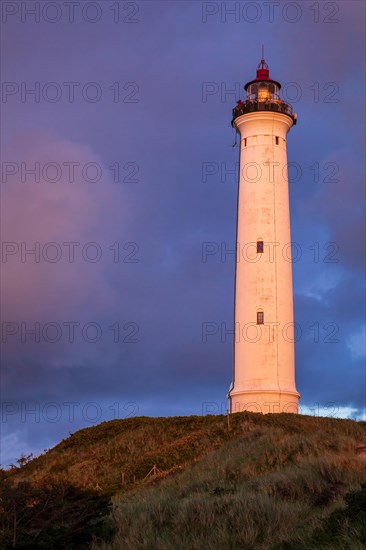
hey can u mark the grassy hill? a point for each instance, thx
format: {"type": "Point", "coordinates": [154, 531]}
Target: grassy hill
{"type": "Point", "coordinates": [275, 481]}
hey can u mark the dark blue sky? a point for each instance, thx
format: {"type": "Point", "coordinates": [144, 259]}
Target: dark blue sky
{"type": "Point", "coordinates": [140, 102]}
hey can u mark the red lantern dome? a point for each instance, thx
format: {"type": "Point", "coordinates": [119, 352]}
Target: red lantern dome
{"type": "Point", "coordinates": [263, 94]}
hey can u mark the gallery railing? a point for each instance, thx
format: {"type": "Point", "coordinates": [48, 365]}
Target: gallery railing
{"type": "Point", "coordinates": [253, 105]}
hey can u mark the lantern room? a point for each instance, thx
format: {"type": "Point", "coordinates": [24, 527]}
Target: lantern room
{"type": "Point", "coordinates": [262, 94]}
{"type": "Point", "coordinates": [262, 88]}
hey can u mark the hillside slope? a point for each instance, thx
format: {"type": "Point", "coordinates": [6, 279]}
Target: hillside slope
{"type": "Point", "coordinates": [267, 482]}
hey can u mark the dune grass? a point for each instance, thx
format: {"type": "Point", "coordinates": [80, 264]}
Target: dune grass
{"type": "Point", "coordinates": [277, 481]}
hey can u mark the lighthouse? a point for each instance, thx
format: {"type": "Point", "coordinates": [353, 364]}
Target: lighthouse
{"type": "Point", "coordinates": [264, 357]}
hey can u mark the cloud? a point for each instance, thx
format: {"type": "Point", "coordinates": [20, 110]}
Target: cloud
{"type": "Point", "coordinates": [357, 343]}
{"type": "Point", "coordinates": [70, 226]}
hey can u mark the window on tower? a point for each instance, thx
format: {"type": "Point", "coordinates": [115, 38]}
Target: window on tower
{"type": "Point", "coordinates": [277, 140]}
{"type": "Point", "coordinates": [260, 317]}
{"type": "Point", "coordinates": [260, 247]}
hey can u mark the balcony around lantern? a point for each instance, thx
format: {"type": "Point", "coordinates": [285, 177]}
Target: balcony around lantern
{"type": "Point", "coordinates": [269, 104]}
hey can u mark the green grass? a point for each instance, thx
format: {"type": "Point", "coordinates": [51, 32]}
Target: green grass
{"type": "Point", "coordinates": [274, 481]}
{"type": "Point", "coordinates": [270, 487]}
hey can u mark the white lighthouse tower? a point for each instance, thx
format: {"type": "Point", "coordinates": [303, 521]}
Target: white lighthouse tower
{"type": "Point", "coordinates": [264, 364]}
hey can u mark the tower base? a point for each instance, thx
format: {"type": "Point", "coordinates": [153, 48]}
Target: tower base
{"type": "Point", "coordinates": [264, 401]}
